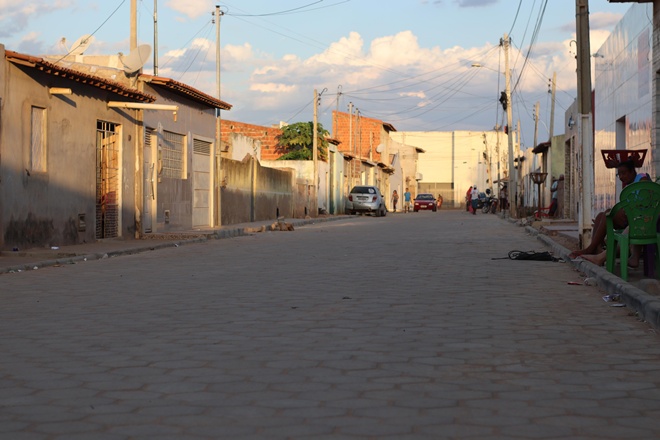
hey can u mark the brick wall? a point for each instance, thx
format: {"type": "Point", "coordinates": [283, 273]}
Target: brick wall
{"type": "Point", "coordinates": [366, 134]}
{"type": "Point", "coordinates": [266, 135]}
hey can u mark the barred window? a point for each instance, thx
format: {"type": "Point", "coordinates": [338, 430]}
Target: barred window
{"type": "Point", "coordinates": [173, 155]}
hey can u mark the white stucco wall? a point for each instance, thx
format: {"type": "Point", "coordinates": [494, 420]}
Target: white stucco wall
{"type": "Point", "coordinates": [457, 157]}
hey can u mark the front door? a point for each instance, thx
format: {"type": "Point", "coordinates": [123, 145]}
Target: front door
{"type": "Point", "coordinates": [201, 167]}
{"type": "Point", "coordinates": [148, 187]}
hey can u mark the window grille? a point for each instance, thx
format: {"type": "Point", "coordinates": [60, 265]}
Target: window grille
{"type": "Point", "coordinates": [173, 155]}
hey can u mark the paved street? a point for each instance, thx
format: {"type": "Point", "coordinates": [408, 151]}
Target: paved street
{"type": "Point", "coordinates": [400, 327]}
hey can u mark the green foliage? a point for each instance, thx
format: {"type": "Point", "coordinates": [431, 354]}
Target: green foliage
{"type": "Point", "coordinates": [296, 141]}
{"type": "Point", "coordinates": [297, 155]}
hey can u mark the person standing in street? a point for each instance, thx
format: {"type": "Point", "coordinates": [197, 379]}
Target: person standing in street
{"type": "Point", "coordinates": [395, 199]}
{"type": "Point", "coordinates": [468, 199]}
{"type": "Point", "coordinates": [407, 199]}
{"type": "Point", "coordinates": [555, 194]}
{"type": "Point", "coordinates": [503, 199]}
{"type": "Point", "coordinates": [475, 199]}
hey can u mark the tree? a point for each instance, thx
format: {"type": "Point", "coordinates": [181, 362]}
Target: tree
{"type": "Point", "coordinates": [296, 142]}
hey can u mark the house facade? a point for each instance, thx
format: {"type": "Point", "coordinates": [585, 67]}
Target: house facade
{"type": "Point", "coordinates": [366, 142]}
{"type": "Point", "coordinates": [624, 99]}
{"type": "Point", "coordinates": [67, 160]}
{"type": "Point", "coordinates": [181, 159]}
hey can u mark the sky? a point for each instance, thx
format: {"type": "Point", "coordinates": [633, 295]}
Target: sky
{"type": "Point", "coordinates": [408, 63]}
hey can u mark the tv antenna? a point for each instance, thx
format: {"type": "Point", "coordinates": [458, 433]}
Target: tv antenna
{"type": "Point", "coordinates": [136, 59]}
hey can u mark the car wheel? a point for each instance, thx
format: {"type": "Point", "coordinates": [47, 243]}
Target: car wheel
{"type": "Point", "coordinates": [378, 212]}
{"type": "Point", "coordinates": [435, 209]}
{"type": "Point", "coordinates": [384, 212]}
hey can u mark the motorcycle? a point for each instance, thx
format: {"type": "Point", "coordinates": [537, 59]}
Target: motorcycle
{"type": "Point", "coordinates": [489, 205]}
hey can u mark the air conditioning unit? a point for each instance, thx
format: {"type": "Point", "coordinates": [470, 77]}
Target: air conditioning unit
{"type": "Point", "coordinates": [418, 176]}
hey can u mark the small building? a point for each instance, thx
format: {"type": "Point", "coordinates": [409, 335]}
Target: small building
{"type": "Point", "coordinates": [67, 160]}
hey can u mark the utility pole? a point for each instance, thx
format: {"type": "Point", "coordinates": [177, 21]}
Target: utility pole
{"type": "Point", "coordinates": [350, 143]}
{"type": "Point", "coordinates": [315, 147]}
{"type": "Point", "coordinates": [553, 91]}
{"type": "Point", "coordinates": [513, 182]}
{"type": "Point", "coordinates": [155, 37]}
{"type": "Point", "coordinates": [585, 127]}
{"type": "Point", "coordinates": [358, 147]}
{"type": "Point", "coordinates": [537, 108]}
{"type": "Point", "coordinates": [497, 152]}
{"type": "Point", "coordinates": [334, 126]}
{"type": "Point", "coordinates": [138, 191]}
{"type": "Point", "coordinates": [519, 171]}
{"type": "Point", "coordinates": [133, 42]}
{"type": "Point", "coordinates": [218, 117]}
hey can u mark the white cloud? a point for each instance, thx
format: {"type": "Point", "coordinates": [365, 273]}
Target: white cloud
{"type": "Point", "coordinates": [272, 88]}
{"type": "Point", "coordinates": [346, 51]}
{"type": "Point", "coordinates": [238, 53]}
{"type": "Point", "coordinates": [420, 95]}
{"type": "Point", "coordinates": [191, 8]}
{"type": "Point", "coordinates": [17, 13]}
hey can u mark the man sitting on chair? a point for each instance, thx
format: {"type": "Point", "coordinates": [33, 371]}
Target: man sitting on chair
{"type": "Point", "coordinates": [593, 252]}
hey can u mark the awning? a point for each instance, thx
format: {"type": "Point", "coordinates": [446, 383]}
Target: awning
{"type": "Point", "coordinates": [541, 148]}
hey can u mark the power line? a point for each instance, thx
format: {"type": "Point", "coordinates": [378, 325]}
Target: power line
{"type": "Point", "coordinates": [95, 31]}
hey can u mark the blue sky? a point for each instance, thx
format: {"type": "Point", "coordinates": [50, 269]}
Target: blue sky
{"type": "Point", "coordinates": [405, 62]}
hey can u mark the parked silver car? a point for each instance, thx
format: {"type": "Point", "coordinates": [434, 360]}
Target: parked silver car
{"type": "Point", "coordinates": [366, 199]}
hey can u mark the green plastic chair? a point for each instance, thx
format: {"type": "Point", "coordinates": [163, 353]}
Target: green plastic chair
{"type": "Point", "coordinates": [641, 203]}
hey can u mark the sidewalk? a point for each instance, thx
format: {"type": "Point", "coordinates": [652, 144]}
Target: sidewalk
{"type": "Point", "coordinates": [35, 258]}
{"type": "Point", "coordinates": [639, 293]}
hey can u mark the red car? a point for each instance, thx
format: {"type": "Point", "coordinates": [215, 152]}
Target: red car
{"type": "Point", "coordinates": [425, 202]}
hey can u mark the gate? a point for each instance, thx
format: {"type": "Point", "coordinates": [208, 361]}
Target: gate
{"type": "Point", "coordinates": [107, 180]}
{"type": "Point", "coordinates": [201, 164]}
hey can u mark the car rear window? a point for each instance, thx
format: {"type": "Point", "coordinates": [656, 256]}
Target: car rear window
{"type": "Point", "coordinates": [363, 190]}
{"type": "Point", "coordinates": [424, 197]}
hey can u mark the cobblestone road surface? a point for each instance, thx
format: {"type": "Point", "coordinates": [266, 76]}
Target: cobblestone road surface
{"type": "Point", "coordinates": [400, 327]}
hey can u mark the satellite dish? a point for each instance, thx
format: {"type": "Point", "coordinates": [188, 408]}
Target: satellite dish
{"type": "Point", "coordinates": [81, 45]}
{"type": "Point", "coordinates": [136, 59]}
{"type": "Point", "coordinates": [380, 148]}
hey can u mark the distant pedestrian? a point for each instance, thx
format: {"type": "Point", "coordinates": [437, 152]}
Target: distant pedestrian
{"type": "Point", "coordinates": [554, 193]}
{"type": "Point", "coordinates": [475, 199]}
{"type": "Point", "coordinates": [395, 199]}
{"type": "Point", "coordinates": [503, 199]}
{"type": "Point", "coordinates": [407, 199]}
{"type": "Point", "coordinates": [439, 201]}
{"type": "Point", "coordinates": [468, 199]}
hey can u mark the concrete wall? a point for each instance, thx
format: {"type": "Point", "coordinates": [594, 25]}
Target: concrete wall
{"type": "Point", "coordinates": [623, 110]}
{"type": "Point", "coordinates": [305, 201]}
{"type": "Point", "coordinates": [242, 145]}
{"type": "Point", "coordinates": [254, 192]}
{"type": "Point", "coordinates": [42, 208]}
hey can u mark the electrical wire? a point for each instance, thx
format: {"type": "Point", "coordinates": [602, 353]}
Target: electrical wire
{"type": "Point", "coordinates": [515, 18]}
{"type": "Point", "coordinates": [297, 10]}
{"type": "Point", "coordinates": [95, 31]}
{"type": "Point", "coordinates": [207, 26]}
